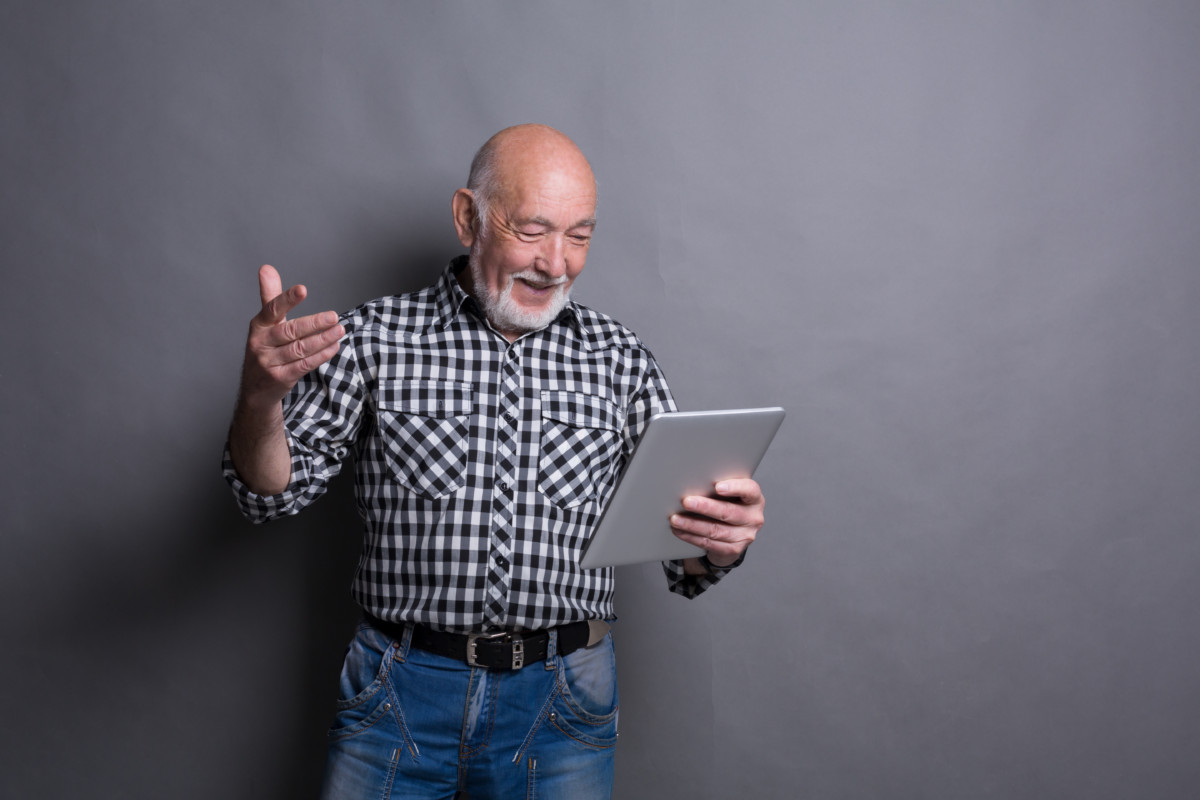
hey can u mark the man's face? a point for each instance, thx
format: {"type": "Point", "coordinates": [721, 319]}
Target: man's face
{"type": "Point", "coordinates": [535, 244]}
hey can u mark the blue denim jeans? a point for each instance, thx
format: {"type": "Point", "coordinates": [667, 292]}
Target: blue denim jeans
{"type": "Point", "coordinates": [411, 724]}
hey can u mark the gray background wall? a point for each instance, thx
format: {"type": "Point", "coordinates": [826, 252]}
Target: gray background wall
{"type": "Point", "coordinates": [957, 241]}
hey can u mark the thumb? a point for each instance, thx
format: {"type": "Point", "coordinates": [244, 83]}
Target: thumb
{"type": "Point", "coordinates": [275, 303]}
{"type": "Point", "coordinates": [269, 284]}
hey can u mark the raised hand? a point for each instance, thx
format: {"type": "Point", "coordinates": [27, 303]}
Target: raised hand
{"type": "Point", "coordinates": [280, 351]}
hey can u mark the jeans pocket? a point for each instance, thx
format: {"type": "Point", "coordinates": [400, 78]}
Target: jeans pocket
{"type": "Point", "coordinates": [587, 705]}
{"type": "Point", "coordinates": [363, 697]}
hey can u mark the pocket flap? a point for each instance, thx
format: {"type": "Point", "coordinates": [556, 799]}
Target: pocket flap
{"type": "Point", "coordinates": [439, 399]}
{"type": "Point", "coordinates": [581, 410]}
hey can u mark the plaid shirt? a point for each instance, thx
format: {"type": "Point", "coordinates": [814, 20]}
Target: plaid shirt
{"type": "Point", "coordinates": [481, 466]}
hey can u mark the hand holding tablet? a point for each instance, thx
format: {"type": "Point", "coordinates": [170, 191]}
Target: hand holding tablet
{"type": "Point", "coordinates": [680, 454]}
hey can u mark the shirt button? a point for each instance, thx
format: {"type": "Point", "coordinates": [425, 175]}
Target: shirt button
{"type": "Point", "coordinates": [503, 486]}
{"type": "Point", "coordinates": [502, 562]}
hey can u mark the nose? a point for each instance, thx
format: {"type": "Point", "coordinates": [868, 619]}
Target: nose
{"type": "Point", "coordinates": [554, 255]}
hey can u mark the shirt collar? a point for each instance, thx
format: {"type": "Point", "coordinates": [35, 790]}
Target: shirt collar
{"type": "Point", "coordinates": [450, 299]}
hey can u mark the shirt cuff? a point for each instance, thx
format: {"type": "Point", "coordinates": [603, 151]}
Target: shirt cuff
{"type": "Point", "coordinates": [259, 508]}
{"type": "Point", "coordinates": [691, 586]}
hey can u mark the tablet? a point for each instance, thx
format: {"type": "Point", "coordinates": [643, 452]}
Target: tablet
{"type": "Point", "coordinates": [680, 453]}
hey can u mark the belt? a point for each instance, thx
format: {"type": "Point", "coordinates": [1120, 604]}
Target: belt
{"type": "Point", "coordinates": [499, 650]}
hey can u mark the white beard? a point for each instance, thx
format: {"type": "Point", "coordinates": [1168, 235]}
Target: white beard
{"type": "Point", "coordinates": [505, 313]}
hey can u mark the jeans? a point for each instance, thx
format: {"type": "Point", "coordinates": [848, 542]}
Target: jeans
{"type": "Point", "coordinates": [411, 724]}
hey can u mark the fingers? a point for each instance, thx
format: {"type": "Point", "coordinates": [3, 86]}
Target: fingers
{"type": "Point", "coordinates": [276, 303]}
{"type": "Point", "coordinates": [745, 508]}
{"type": "Point", "coordinates": [745, 489]}
{"type": "Point", "coordinates": [275, 310]}
{"type": "Point", "coordinates": [720, 550]}
{"type": "Point", "coordinates": [290, 350]}
{"type": "Point", "coordinates": [292, 371]}
{"type": "Point", "coordinates": [280, 351]}
{"type": "Point", "coordinates": [290, 331]}
{"type": "Point", "coordinates": [723, 527]}
{"type": "Point", "coordinates": [271, 329]}
{"type": "Point", "coordinates": [711, 530]}
{"type": "Point", "coordinates": [269, 373]}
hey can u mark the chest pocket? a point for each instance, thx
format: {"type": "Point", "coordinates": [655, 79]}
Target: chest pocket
{"type": "Point", "coordinates": [581, 436]}
{"type": "Point", "coordinates": [424, 431]}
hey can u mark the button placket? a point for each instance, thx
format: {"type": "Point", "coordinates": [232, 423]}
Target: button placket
{"type": "Point", "coordinates": [504, 491]}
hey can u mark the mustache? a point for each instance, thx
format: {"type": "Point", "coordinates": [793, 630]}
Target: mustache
{"type": "Point", "coordinates": [537, 279]}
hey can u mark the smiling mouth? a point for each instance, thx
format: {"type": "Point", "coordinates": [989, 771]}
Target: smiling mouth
{"type": "Point", "coordinates": [540, 287]}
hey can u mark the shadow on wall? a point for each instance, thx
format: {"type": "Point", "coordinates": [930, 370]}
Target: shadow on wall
{"type": "Point", "coordinates": [185, 651]}
{"type": "Point", "coordinates": [194, 647]}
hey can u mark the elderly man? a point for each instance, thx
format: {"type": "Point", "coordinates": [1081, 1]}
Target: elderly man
{"type": "Point", "coordinates": [488, 416]}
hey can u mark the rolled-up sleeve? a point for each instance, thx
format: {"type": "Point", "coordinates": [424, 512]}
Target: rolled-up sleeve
{"type": "Point", "coordinates": [690, 586]}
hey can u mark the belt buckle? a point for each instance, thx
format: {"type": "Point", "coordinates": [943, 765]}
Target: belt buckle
{"type": "Point", "coordinates": [518, 647]}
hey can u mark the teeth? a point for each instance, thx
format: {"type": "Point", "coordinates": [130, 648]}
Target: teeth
{"type": "Point", "coordinates": [537, 285]}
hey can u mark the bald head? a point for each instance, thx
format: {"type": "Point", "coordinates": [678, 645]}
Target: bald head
{"type": "Point", "coordinates": [514, 154]}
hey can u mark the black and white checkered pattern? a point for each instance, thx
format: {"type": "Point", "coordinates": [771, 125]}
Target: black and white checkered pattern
{"type": "Point", "coordinates": [481, 465]}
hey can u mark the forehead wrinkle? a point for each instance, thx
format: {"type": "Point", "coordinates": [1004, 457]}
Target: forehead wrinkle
{"type": "Point", "coordinates": [587, 222]}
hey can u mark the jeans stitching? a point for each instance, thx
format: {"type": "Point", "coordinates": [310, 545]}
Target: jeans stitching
{"type": "Point", "coordinates": [543, 715]}
{"type": "Point", "coordinates": [466, 752]}
{"type": "Point", "coordinates": [391, 774]}
{"type": "Point", "coordinates": [581, 716]}
{"type": "Point", "coordinates": [369, 693]}
{"type": "Point", "coordinates": [410, 743]}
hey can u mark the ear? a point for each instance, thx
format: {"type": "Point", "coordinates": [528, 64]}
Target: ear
{"type": "Point", "coordinates": [463, 207]}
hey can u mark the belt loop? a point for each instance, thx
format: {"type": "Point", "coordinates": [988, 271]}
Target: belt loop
{"type": "Point", "coordinates": [405, 643]}
{"type": "Point", "coordinates": [551, 648]}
